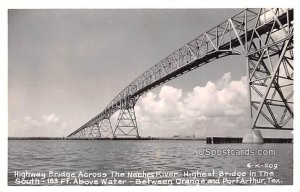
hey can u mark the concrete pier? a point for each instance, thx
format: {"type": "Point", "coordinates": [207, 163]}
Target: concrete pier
{"type": "Point", "coordinates": [253, 136]}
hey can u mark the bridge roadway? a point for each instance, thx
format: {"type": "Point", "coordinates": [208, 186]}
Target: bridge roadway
{"type": "Point", "coordinates": [235, 36]}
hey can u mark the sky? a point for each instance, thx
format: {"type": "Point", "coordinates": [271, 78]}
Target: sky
{"type": "Point", "coordinates": [65, 66]}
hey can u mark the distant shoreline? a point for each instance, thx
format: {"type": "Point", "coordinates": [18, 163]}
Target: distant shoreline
{"type": "Point", "coordinates": [129, 138]}
{"type": "Point", "coordinates": [209, 140]}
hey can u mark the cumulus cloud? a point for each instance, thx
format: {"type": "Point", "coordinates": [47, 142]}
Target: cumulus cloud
{"type": "Point", "coordinates": [48, 125]}
{"type": "Point", "coordinates": [164, 104]}
{"type": "Point", "coordinates": [218, 108]}
{"type": "Point", "coordinates": [29, 122]}
{"type": "Point", "coordinates": [50, 118]}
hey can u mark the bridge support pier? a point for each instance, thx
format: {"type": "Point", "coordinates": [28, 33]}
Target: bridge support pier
{"type": "Point", "coordinates": [270, 78]}
{"type": "Point", "coordinates": [94, 131]}
{"type": "Point", "coordinates": [105, 128]}
{"type": "Point", "coordinates": [126, 124]}
{"type": "Point", "coordinates": [253, 137]}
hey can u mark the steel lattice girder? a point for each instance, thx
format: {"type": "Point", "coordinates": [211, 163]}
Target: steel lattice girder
{"type": "Point", "coordinates": [247, 33]}
{"type": "Point", "coordinates": [271, 87]}
{"type": "Point", "coordinates": [270, 74]}
{"type": "Point", "coordinates": [105, 128]}
{"type": "Point", "coordinates": [126, 124]}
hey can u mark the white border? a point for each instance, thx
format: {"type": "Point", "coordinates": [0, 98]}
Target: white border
{"type": "Point", "coordinates": [90, 4]}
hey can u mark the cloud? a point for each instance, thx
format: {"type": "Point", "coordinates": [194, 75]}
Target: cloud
{"type": "Point", "coordinates": [48, 126]}
{"type": "Point", "coordinates": [164, 104]}
{"type": "Point", "coordinates": [28, 122]}
{"type": "Point", "coordinates": [219, 108]}
{"type": "Point", "coordinates": [50, 118]}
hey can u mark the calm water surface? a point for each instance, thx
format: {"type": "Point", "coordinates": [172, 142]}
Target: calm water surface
{"type": "Point", "coordinates": [106, 156]}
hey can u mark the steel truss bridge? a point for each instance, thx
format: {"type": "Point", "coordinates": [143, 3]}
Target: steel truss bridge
{"type": "Point", "coordinates": [263, 36]}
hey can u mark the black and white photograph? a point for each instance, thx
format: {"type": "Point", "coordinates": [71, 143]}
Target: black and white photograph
{"type": "Point", "coordinates": [127, 97]}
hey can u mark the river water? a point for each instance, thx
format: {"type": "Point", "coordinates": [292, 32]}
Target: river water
{"type": "Point", "coordinates": [105, 156]}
